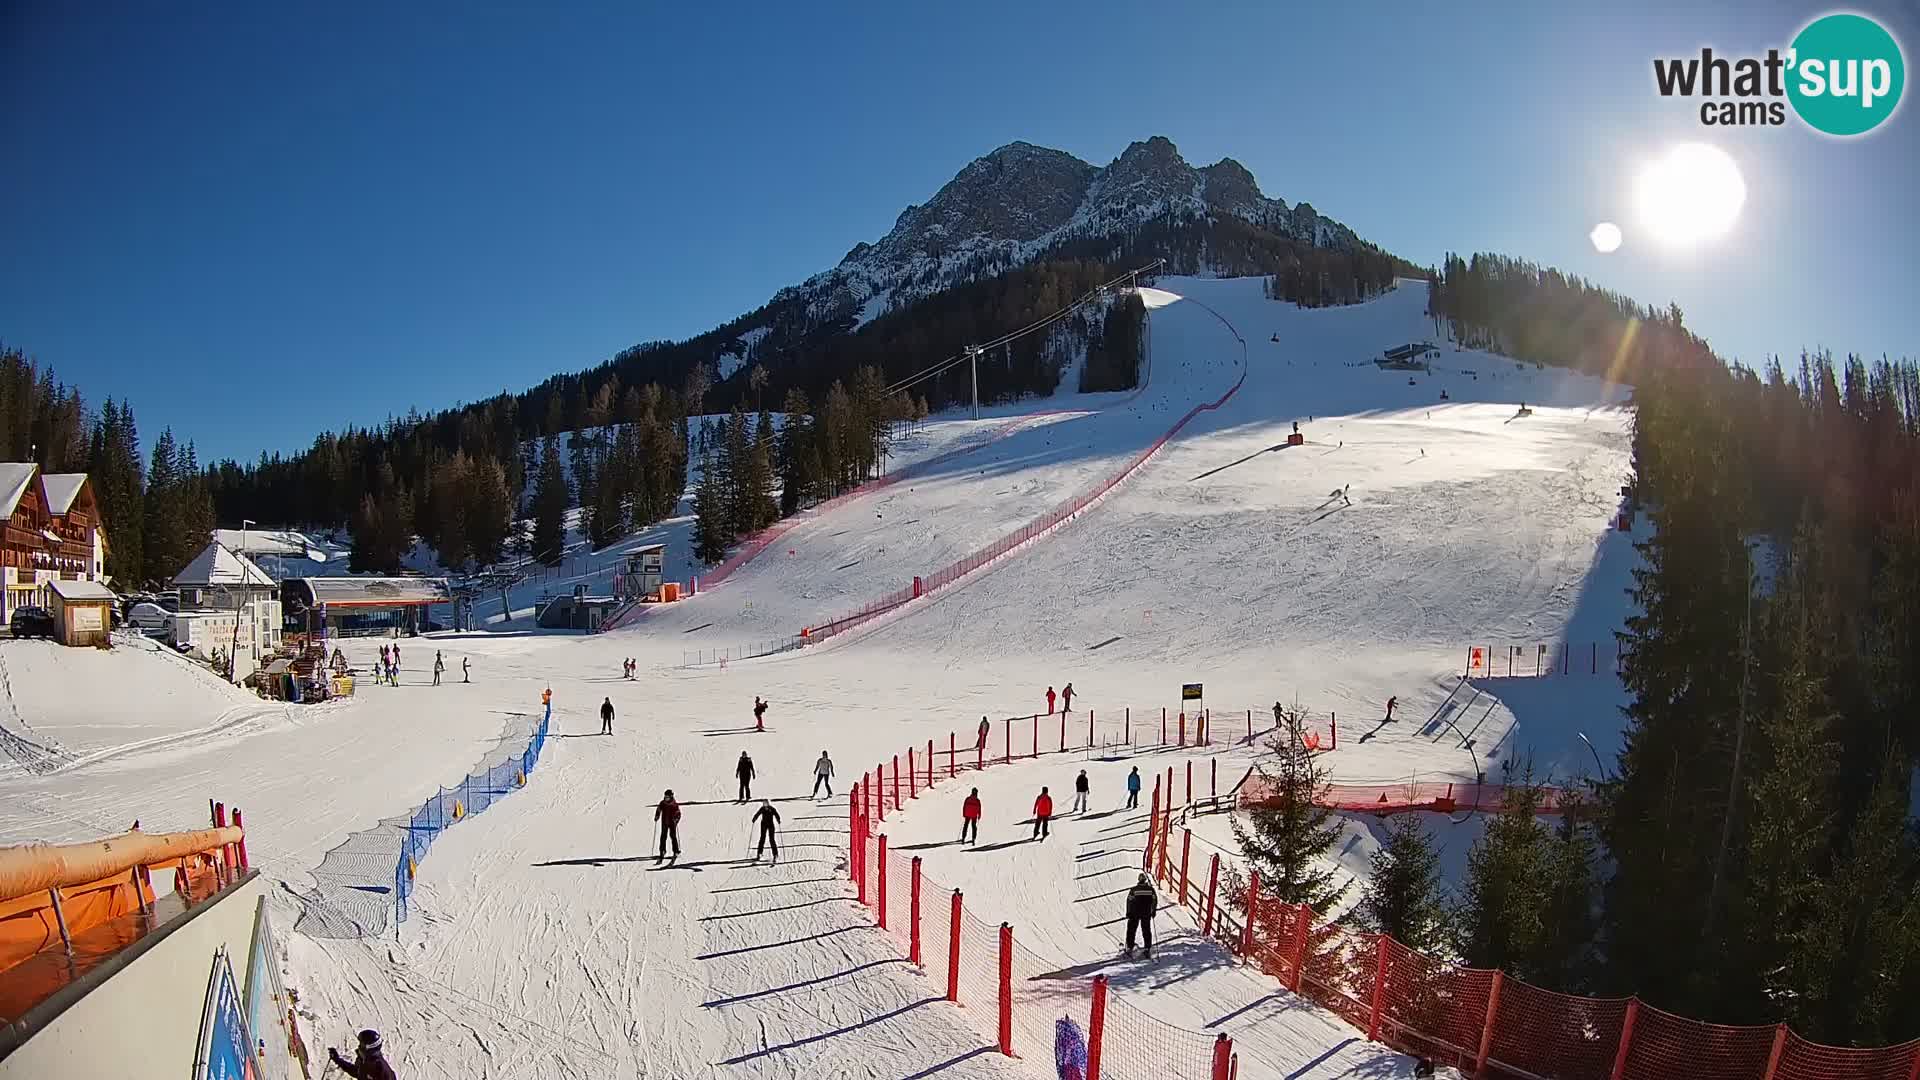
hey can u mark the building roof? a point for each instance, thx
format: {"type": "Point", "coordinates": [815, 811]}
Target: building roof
{"type": "Point", "coordinates": [62, 489]}
{"type": "Point", "coordinates": [81, 590]}
{"type": "Point", "coordinates": [284, 542]}
{"type": "Point", "coordinates": [14, 478]}
{"type": "Point", "coordinates": [373, 591]}
{"type": "Point", "coordinates": [216, 566]}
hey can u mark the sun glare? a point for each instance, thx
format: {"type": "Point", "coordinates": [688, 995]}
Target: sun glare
{"type": "Point", "coordinates": [1689, 195]}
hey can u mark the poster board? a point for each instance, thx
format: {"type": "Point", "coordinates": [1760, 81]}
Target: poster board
{"type": "Point", "coordinates": [226, 1050]}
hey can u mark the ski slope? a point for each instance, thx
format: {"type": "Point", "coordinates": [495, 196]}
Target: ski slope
{"type": "Point", "coordinates": [543, 940]}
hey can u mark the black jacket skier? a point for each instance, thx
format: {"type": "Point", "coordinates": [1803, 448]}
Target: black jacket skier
{"type": "Point", "coordinates": [606, 717]}
{"type": "Point", "coordinates": [768, 819]}
{"type": "Point", "coordinates": [369, 1061]}
{"type": "Point", "coordinates": [667, 813]}
{"type": "Point", "coordinates": [1142, 904]}
{"type": "Point", "coordinates": [744, 771]}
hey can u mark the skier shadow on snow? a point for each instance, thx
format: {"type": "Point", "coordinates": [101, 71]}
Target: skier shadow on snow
{"type": "Point", "coordinates": [711, 732]}
{"type": "Point", "coordinates": [1175, 959]}
{"type": "Point", "coordinates": [596, 860]}
{"type": "Point", "coordinates": [836, 1032]}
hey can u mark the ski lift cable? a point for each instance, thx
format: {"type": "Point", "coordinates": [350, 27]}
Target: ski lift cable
{"type": "Point", "coordinates": [940, 367]}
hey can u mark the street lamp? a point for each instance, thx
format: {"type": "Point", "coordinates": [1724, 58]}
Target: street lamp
{"type": "Point", "coordinates": [1596, 755]}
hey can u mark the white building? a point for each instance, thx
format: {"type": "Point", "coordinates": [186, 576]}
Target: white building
{"type": "Point", "coordinates": [228, 605]}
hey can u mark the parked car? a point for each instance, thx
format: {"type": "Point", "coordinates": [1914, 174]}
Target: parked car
{"type": "Point", "coordinates": [31, 622]}
{"type": "Point", "coordinates": [150, 618]}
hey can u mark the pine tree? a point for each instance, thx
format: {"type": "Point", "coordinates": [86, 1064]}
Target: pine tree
{"type": "Point", "coordinates": [1855, 968]}
{"type": "Point", "coordinates": [164, 514]}
{"type": "Point", "coordinates": [489, 511]}
{"type": "Point", "coordinates": [1402, 898]}
{"type": "Point", "coordinates": [795, 436]}
{"type": "Point", "coordinates": [1572, 888]}
{"type": "Point", "coordinates": [712, 508]}
{"type": "Point", "coordinates": [1503, 921]}
{"type": "Point", "coordinates": [550, 502]}
{"type": "Point", "coordinates": [735, 462]}
{"type": "Point", "coordinates": [763, 507]}
{"type": "Point", "coordinates": [1288, 835]}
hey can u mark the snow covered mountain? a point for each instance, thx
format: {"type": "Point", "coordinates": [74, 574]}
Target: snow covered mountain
{"type": "Point", "coordinates": [1022, 203]}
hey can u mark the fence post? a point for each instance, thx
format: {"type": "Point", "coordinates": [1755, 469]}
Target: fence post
{"type": "Point", "coordinates": [1166, 828]}
{"type": "Point", "coordinates": [1379, 985]}
{"type": "Point", "coordinates": [240, 848]}
{"type": "Point", "coordinates": [1189, 799]}
{"type": "Point", "coordinates": [1163, 725]}
{"type": "Point", "coordinates": [1126, 726]}
{"type": "Point", "coordinates": [1303, 924]}
{"type": "Point", "coordinates": [952, 751]}
{"type": "Point", "coordinates": [1249, 727]}
{"type": "Point", "coordinates": [1186, 848]}
{"type": "Point", "coordinates": [1181, 728]}
{"type": "Point", "coordinates": [929, 762]}
{"type": "Point", "coordinates": [896, 781]}
{"type": "Point", "coordinates": [1779, 1047]}
{"type": "Point", "coordinates": [1914, 1073]}
{"type": "Point", "coordinates": [880, 790]}
{"type": "Point", "coordinates": [1626, 1038]}
{"type": "Point", "coordinates": [1063, 731]}
{"type": "Point", "coordinates": [1007, 740]}
{"type": "Point", "coordinates": [1222, 1056]}
{"type": "Point", "coordinates": [1486, 1029]}
{"type": "Point", "coordinates": [1213, 883]}
{"type": "Point", "coordinates": [953, 950]}
{"type": "Point", "coordinates": [1006, 989]}
{"type": "Point", "coordinates": [1089, 729]}
{"type": "Point", "coordinates": [1096, 1026]}
{"type": "Point", "coordinates": [857, 834]}
{"type": "Point", "coordinates": [913, 935]}
{"type": "Point", "coordinates": [881, 907]}
{"type": "Point", "coordinates": [1153, 823]}
{"type": "Point", "coordinates": [1213, 781]}
{"type": "Point", "coordinates": [1253, 910]}
{"type": "Point", "coordinates": [913, 776]}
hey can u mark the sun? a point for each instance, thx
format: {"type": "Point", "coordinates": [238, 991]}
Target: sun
{"type": "Point", "coordinates": [1689, 195]}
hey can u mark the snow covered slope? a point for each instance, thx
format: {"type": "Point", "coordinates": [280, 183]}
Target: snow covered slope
{"type": "Point", "coordinates": [544, 942]}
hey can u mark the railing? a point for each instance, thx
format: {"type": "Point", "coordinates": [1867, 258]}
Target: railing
{"type": "Point", "coordinates": [1543, 659]}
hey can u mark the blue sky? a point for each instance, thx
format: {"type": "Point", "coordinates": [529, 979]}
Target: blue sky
{"type": "Point", "coordinates": [258, 222]}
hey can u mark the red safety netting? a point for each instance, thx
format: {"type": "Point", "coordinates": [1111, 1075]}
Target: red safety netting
{"type": "Point", "coordinates": [1466, 1017]}
{"type": "Point", "coordinates": [1141, 1047]}
{"type": "Point", "coordinates": [1803, 1060]}
{"type": "Point", "coordinates": [1389, 798]}
{"type": "Point", "coordinates": [1665, 1045]}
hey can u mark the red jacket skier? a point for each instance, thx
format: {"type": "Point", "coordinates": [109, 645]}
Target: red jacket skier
{"type": "Point", "coordinates": [1050, 696]}
{"type": "Point", "coordinates": [970, 818]}
{"type": "Point", "coordinates": [1042, 814]}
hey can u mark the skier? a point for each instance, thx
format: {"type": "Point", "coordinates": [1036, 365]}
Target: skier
{"type": "Point", "coordinates": [1391, 702]}
{"type": "Point", "coordinates": [606, 717]}
{"type": "Point", "coordinates": [970, 818]}
{"type": "Point", "coordinates": [823, 775]}
{"type": "Point", "coordinates": [1279, 715]}
{"type": "Point", "coordinates": [744, 770]}
{"type": "Point", "coordinates": [985, 729]}
{"type": "Point", "coordinates": [768, 817]}
{"type": "Point", "coordinates": [369, 1061]}
{"type": "Point", "coordinates": [546, 701]}
{"type": "Point", "coordinates": [466, 674]}
{"type": "Point", "coordinates": [1042, 815]}
{"type": "Point", "coordinates": [1050, 697]}
{"type": "Point", "coordinates": [1080, 793]}
{"type": "Point", "coordinates": [667, 813]}
{"type": "Point", "coordinates": [439, 665]}
{"type": "Point", "coordinates": [1142, 904]}
{"type": "Point", "coordinates": [1133, 789]}
{"type": "Point", "coordinates": [759, 714]}
{"type": "Point", "coordinates": [1066, 698]}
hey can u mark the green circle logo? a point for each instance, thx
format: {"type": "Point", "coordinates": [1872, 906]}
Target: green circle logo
{"type": "Point", "coordinates": [1846, 74]}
